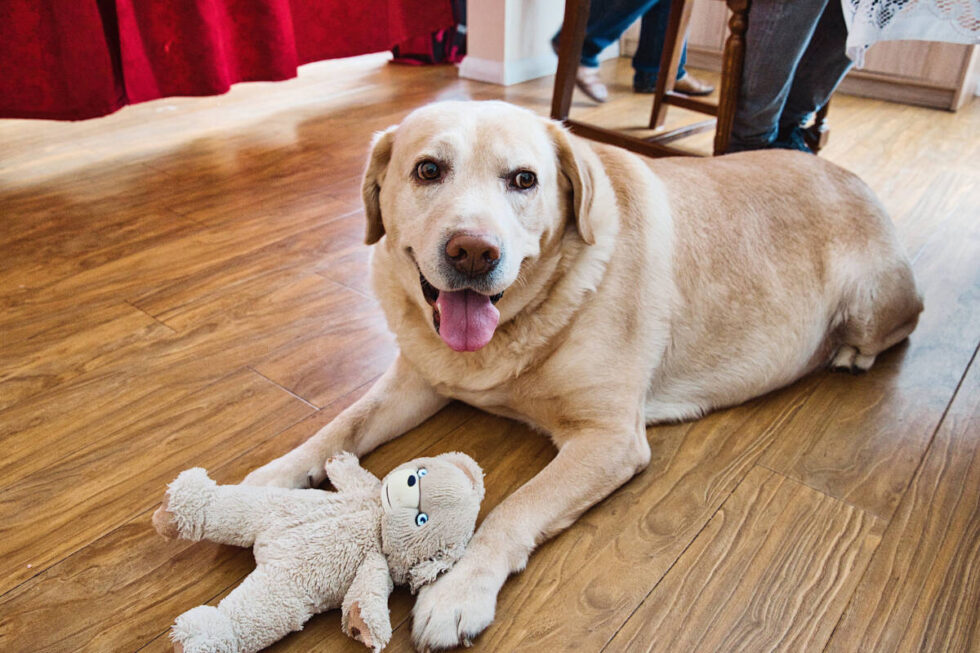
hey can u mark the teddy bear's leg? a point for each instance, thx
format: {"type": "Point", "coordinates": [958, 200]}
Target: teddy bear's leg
{"type": "Point", "coordinates": [347, 475]}
{"type": "Point", "coordinates": [204, 629]}
{"type": "Point", "coordinates": [364, 611]}
{"type": "Point", "coordinates": [267, 606]}
{"type": "Point", "coordinates": [197, 508]}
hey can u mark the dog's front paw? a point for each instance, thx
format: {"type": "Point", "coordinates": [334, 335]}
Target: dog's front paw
{"type": "Point", "coordinates": [289, 471]}
{"type": "Point", "coordinates": [454, 609]}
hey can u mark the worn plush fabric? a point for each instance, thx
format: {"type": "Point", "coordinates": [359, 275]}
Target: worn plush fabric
{"type": "Point", "coordinates": [75, 59]}
{"type": "Point", "coordinates": [317, 550]}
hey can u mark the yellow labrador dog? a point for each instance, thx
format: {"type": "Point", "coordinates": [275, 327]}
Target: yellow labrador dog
{"type": "Point", "coordinates": [589, 292]}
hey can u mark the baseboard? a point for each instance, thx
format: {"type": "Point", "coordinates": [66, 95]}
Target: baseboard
{"type": "Point", "coordinates": [482, 70]}
{"type": "Point", "coordinates": [906, 93]}
{"type": "Point", "coordinates": [511, 72]}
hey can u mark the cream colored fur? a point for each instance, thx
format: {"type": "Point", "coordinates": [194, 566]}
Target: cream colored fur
{"type": "Point", "coordinates": [635, 292]}
{"type": "Point", "coordinates": [317, 550]}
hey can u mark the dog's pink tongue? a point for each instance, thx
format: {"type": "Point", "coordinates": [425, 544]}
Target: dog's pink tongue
{"type": "Point", "coordinates": [467, 319]}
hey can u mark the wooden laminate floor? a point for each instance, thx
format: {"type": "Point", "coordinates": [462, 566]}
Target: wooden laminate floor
{"type": "Point", "coordinates": [183, 283]}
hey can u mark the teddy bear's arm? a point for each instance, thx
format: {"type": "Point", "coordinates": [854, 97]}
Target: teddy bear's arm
{"type": "Point", "coordinates": [347, 475]}
{"type": "Point", "coordinates": [365, 608]}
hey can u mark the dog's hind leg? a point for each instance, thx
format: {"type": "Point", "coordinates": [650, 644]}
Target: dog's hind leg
{"type": "Point", "coordinates": [880, 314]}
{"type": "Point", "coordinates": [659, 411]}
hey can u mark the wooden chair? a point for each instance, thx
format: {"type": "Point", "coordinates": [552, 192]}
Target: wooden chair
{"type": "Point", "coordinates": [570, 52]}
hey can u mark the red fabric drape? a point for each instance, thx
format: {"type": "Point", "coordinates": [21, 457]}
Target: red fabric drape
{"type": "Point", "coordinates": [75, 59]}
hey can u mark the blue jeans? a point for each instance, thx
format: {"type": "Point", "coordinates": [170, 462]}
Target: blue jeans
{"type": "Point", "coordinates": [608, 19]}
{"type": "Point", "coordinates": [794, 59]}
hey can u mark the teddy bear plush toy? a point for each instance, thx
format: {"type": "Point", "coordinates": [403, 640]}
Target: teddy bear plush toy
{"type": "Point", "coordinates": [317, 550]}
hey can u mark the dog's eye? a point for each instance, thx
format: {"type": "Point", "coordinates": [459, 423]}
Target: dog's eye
{"type": "Point", "coordinates": [523, 180]}
{"type": "Point", "coordinates": [423, 471]}
{"type": "Point", "coordinates": [428, 171]}
{"type": "Point", "coordinates": [421, 519]}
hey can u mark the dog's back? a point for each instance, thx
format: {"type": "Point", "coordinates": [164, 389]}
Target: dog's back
{"type": "Point", "coordinates": [781, 262]}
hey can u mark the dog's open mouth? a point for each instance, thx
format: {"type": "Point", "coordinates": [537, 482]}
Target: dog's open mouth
{"type": "Point", "coordinates": [464, 319]}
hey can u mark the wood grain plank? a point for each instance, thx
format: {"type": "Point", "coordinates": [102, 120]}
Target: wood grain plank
{"type": "Point", "coordinates": [308, 250]}
{"type": "Point", "coordinates": [319, 365]}
{"type": "Point", "coordinates": [98, 600]}
{"type": "Point", "coordinates": [771, 571]}
{"type": "Point", "coordinates": [279, 183]}
{"type": "Point", "coordinates": [132, 275]}
{"type": "Point", "coordinates": [863, 437]}
{"type": "Point", "coordinates": [216, 338]}
{"type": "Point", "coordinates": [108, 334]}
{"type": "Point", "coordinates": [921, 591]}
{"type": "Point", "coordinates": [946, 196]}
{"type": "Point", "coordinates": [331, 339]}
{"type": "Point", "coordinates": [127, 587]}
{"type": "Point", "coordinates": [149, 262]}
{"type": "Point", "coordinates": [579, 588]}
{"type": "Point", "coordinates": [347, 261]}
{"type": "Point", "coordinates": [65, 240]}
{"type": "Point", "coordinates": [54, 511]}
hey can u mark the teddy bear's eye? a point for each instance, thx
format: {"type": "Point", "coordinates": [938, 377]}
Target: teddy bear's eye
{"type": "Point", "coordinates": [423, 471]}
{"type": "Point", "coordinates": [421, 519]}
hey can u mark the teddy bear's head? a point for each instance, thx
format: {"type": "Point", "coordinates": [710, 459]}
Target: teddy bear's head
{"type": "Point", "coordinates": [430, 507]}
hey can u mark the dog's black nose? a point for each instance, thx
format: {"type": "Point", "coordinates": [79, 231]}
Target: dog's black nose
{"type": "Point", "coordinates": [473, 254]}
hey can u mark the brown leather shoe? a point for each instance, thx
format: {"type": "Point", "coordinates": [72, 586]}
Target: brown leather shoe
{"type": "Point", "coordinates": [690, 85]}
{"type": "Point", "coordinates": [588, 80]}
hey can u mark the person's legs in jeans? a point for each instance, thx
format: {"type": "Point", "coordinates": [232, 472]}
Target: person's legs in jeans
{"type": "Point", "coordinates": [777, 37]}
{"type": "Point", "coordinates": [608, 19]}
{"type": "Point", "coordinates": [821, 69]}
{"type": "Point", "coordinates": [653, 33]}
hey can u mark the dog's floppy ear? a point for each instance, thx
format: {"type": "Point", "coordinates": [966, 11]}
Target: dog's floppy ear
{"type": "Point", "coordinates": [371, 188]}
{"type": "Point", "coordinates": [580, 172]}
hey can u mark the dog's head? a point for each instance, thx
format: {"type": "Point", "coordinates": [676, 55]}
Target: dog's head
{"type": "Point", "coordinates": [468, 195]}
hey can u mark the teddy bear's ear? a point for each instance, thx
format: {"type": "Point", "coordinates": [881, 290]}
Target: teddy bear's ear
{"type": "Point", "coordinates": [426, 571]}
{"type": "Point", "coordinates": [469, 467]}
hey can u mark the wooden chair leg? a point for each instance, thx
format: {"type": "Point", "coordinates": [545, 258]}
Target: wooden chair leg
{"type": "Point", "coordinates": [680, 17]}
{"type": "Point", "coordinates": [569, 55]}
{"type": "Point", "coordinates": [731, 74]}
{"type": "Point", "coordinates": [817, 134]}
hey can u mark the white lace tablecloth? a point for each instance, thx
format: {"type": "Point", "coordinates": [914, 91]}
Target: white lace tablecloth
{"type": "Point", "coordinates": [870, 21]}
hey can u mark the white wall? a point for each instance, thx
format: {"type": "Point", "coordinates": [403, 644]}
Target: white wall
{"type": "Point", "coordinates": [509, 41]}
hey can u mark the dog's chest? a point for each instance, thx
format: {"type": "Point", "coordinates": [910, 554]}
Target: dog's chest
{"type": "Point", "coordinates": [498, 401]}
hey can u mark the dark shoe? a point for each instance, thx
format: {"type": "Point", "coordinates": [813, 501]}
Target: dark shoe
{"type": "Point", "coordinates": [644, 82]}
{"type": "Point", "coordinates": [689, 85]}
{"type": "Point", "coordinates": [791, 139]}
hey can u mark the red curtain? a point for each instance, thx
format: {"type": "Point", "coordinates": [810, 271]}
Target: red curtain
{"type": "Point", "coordinates": [75, 59]}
